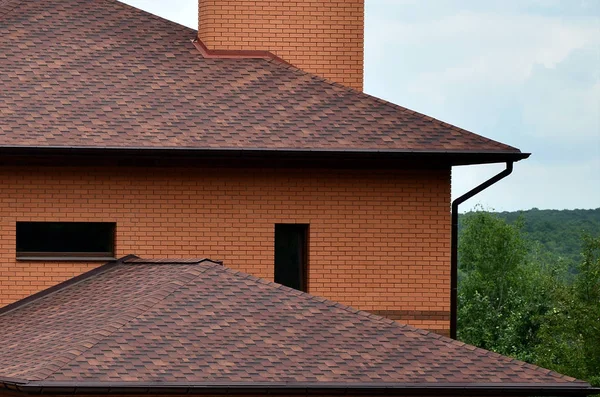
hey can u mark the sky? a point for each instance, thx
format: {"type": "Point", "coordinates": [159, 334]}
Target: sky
{"type": "Point", "coordinates": [522, 72]}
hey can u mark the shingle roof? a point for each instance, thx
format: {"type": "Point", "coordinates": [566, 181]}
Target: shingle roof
{"type": "Point", "coordinates": [182, 323]}
{"type": "Point", "coordinates": [100, 74]}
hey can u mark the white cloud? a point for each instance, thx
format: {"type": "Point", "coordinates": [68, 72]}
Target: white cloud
{"type": "Point", "coordinates": [562, 104]}
{"type": "Point", "coordinates": [476, 47]}
{"type": "Point", "coordinates": [529, 79]}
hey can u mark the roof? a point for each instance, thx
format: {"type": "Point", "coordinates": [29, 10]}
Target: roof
{"type": "Point", "coordinates": [103, 75]}
{"type": "Point", "coordinates": [197, 325]}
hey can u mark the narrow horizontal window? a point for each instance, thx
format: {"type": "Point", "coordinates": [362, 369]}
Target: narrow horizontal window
{"type": "Point", "coordinates": [66, 240]}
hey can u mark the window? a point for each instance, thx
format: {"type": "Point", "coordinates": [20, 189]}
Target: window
{"type": "Point", "coordinates": [66, 240]}
{"type": "Point", "coordinates": [291, 256]}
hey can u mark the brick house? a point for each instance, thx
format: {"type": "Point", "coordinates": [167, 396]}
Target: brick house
{"type": "Point", "coordinates": [249, 142]}
{"type": "Point", "coordinates": [114, 119]}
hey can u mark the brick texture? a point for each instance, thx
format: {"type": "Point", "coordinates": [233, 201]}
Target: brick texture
{"type": "Point", "coordinates": [378, 240]}
{"type": "Point", "coordinates": [324, 37]}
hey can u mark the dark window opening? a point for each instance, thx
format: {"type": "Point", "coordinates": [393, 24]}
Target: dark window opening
{"type": "Point", "coordinates": [291, 256]}
{"type": "Point", "coordinates": [66, 240]}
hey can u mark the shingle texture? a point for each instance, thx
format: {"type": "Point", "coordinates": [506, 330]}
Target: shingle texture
{"type": "Point", "coordinates": [199, 322]}
{"type": "Point", "coordinates": [80, 73]}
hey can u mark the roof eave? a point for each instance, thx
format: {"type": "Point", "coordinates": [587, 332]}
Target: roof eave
{"type": "Point", "coordinates": [390, 389]}
{"type": "Point", "coordinates": [291, 157]}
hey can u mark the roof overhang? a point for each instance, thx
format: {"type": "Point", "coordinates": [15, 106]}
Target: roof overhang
{"type": "Point", "coordinates": [315, 158]}
{"type": "Point", "coordinates": [280, 389]}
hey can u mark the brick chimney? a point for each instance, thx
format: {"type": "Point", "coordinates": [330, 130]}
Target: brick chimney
{"type": "Point", "coordinates": [325, 37]}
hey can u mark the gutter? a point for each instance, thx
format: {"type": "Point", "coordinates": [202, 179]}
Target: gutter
{"type": "Point", "coordinates": [356, 157]}
{"type": "Point", "coordinates": [574, 389]}
{"type": "Point", "coordinates": [454, 242]}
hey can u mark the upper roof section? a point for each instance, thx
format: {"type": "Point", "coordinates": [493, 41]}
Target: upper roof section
{"type": "Point", "coordinates": [103, 75]}
{"type": "Point", "coordinates": [196, 324]}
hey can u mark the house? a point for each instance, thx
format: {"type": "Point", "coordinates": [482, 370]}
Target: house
{"type": "Point", "coordinates": [250, 142]}
{"type": "Point", "coordinates": [124, 133]}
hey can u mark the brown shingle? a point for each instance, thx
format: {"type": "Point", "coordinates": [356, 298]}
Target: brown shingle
{"type": "Point", "coordinates": [77, 73]}
{"type": "Point", "coordinates": [197, 322]}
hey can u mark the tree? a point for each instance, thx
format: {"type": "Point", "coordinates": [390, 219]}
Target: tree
{"type": "Point", "coordinates": [517, 300]}
{"type": "Point", "coordinates": [503, 295]}
{"type": "Point", "coordinates": [570, 335]}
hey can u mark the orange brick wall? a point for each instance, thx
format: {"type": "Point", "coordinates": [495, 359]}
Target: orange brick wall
{"type": "Point", "coordinates": [325, 37]}
{"type": "Point", "coordinates": [379, 240]}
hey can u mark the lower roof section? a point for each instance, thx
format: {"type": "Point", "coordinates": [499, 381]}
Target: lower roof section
{"type": "Point", "coordinates": [159, 326]}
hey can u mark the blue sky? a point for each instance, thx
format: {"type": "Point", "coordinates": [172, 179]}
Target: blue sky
{"type": "Point", "coordinates": [524, 72]}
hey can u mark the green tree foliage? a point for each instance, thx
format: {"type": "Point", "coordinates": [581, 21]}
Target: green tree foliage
{"type": "Point", "coordinates": [570, 335]}
{"type": "Point", "coordinates": [558, 231]}
{"type": "Point", "coordinates": [517, 300]}
{"type": "Point", "coordinates": [501, 294]}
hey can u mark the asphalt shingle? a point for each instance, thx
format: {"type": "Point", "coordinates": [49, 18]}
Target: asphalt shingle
{"type": "Point", "coordinates": [198, 322]}
{"type": "Point", "coordinates": [80, 73]}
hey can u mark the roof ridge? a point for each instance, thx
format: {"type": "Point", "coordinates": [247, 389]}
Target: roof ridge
{"type": "Point", "coordinates": [127, 259]}
{"type": "Point", "coordinates": [61, 286]}
{"type": "Point", "coordinates": [396, 324]}
{"type": "Point", "coordinates": [113, 326]}
{"type": "Point", "coordinates": [5, 4]}
{"type": "Point", "coordinates": [132, 259]}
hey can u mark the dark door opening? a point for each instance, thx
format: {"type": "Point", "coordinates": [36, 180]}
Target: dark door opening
{"type": "Point", "coordinates": [291, 256]}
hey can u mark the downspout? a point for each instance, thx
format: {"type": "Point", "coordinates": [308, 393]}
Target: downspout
{"type": "Point", "coordinates": [454, 242]}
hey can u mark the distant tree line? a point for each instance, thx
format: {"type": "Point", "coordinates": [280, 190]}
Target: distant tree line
{"type": "Point", "coordinates": [530, 299]}
{"type": "Point", "coordinates": [558, 232]}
